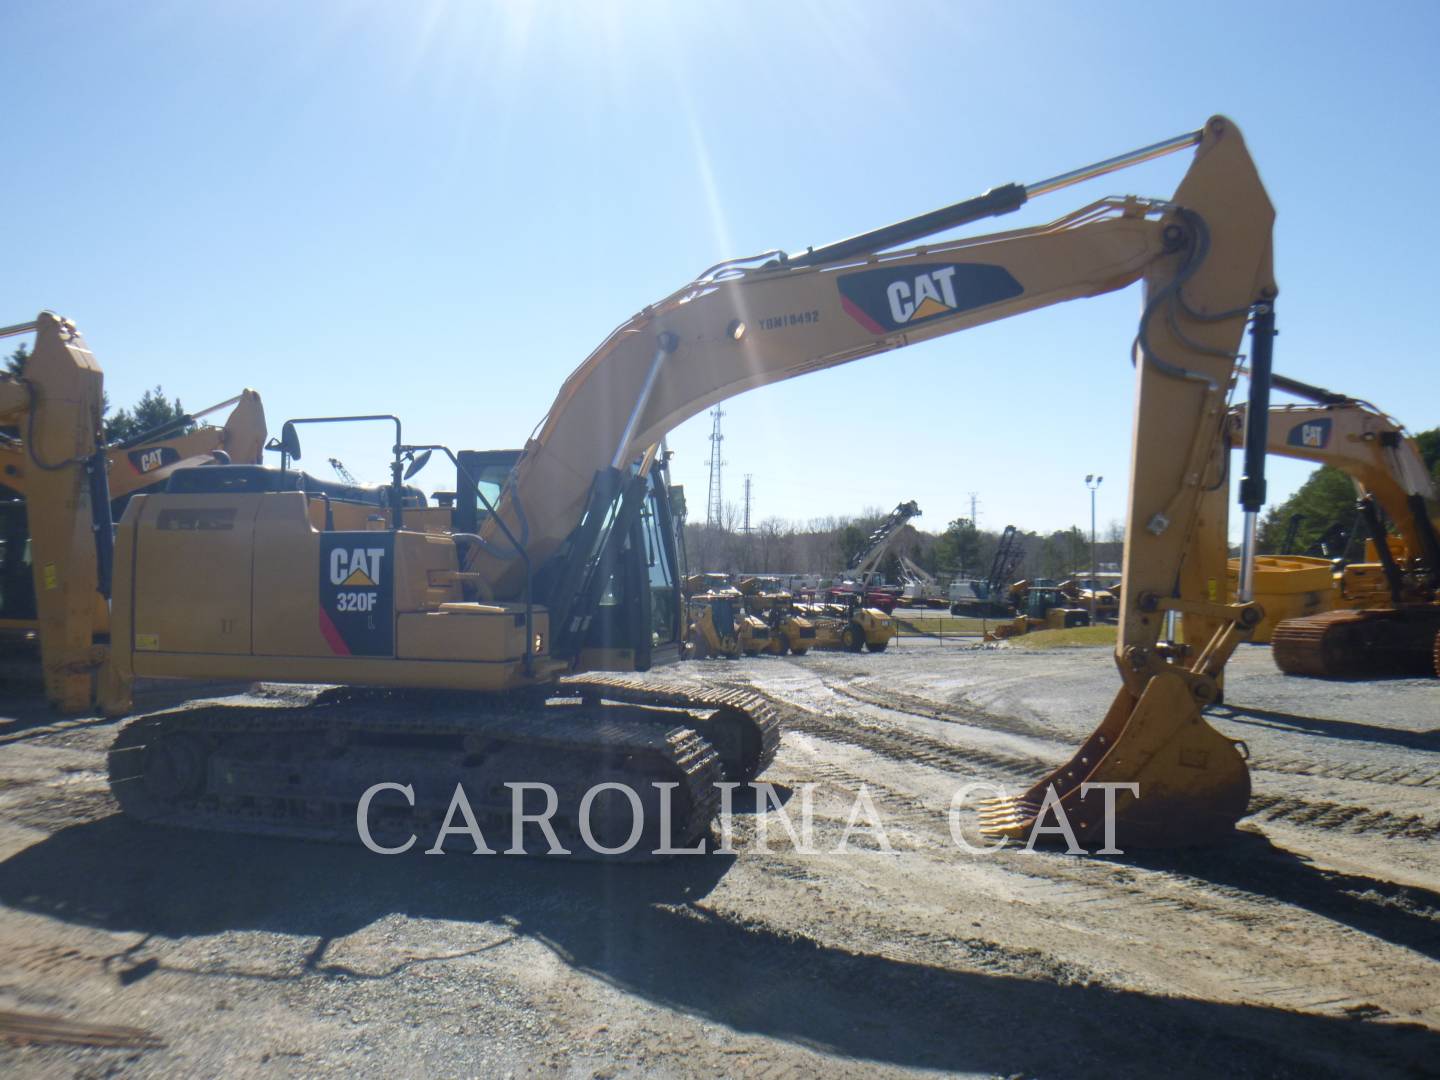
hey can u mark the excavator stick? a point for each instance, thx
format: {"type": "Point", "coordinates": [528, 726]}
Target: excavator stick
{"type": "Point", "coordinates": [1180, 781]}
{"type": "Point", "coordinates": [57, 405]}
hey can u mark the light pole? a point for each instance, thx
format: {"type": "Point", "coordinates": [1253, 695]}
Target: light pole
{"type": "Point", "coordinates": [1092, 482]}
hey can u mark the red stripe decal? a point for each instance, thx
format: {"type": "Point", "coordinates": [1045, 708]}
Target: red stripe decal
{"type": "Point", "coordinates": [332, 635]}
{"type": "Point", "coordinates": [859, 316]}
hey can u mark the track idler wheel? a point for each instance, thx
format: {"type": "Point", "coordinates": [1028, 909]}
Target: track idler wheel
{"type": "Point", "coordinates": [737, 742]}
{"type": "Point", "coordinates": [1193, 782]}
{"type": "Point", "coordinates": [175, 766]}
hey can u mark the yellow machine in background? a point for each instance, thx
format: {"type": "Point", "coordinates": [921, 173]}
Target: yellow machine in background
{"type": "Point", "coordinates": [144, 463]}
{"type": "Point", "coordinates": [789, 630]}
{"type": "Point", "coordinates": [849, 625]}
{"type": "Point", "coordinates": [719, 625]}
{"type": "Point", "coordinates": [1042, 607]}
{"type": "Point", "coordinates": [1379, 617]}
{"type": "Point", "coordinates": [1102, 603]}
{"type": "Point", "coordinates": [755, 634]}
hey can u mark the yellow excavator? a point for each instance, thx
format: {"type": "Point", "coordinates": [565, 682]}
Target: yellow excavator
{"type": "Point", "coordinates": [502, 612]}
{"type": "Point", "coordinates": [1387, 612]}
{"type": "Point", "coordinates": [49, 509]}
{"type": "Point", "coordinates": [143, 462]}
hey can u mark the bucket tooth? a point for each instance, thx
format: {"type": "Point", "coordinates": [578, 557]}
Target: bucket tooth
{"type": "Point", "coordinates": [1193, 782]}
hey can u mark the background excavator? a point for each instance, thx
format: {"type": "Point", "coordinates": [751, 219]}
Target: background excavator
{"type": "Point", "coordinates": [1387, 610]}
{"type": "Point", "coordinates": [565, 565]}
{"type": "Point", "coordinates": [141, 463]}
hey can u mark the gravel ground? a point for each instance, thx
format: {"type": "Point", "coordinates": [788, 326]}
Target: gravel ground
{"type": "Point", "coordinates": [1307, 946]}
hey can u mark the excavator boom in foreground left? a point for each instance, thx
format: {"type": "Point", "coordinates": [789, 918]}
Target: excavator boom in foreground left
{"type": "Point", "coordinates": [140, 463]}
{"type": "Point", "coordinates": [475, 640]}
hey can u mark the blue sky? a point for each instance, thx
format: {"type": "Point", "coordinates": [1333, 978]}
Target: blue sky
{"type": "Point", "coordinates": [439, 209]}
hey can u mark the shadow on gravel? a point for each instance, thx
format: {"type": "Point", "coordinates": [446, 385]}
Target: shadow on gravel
{"type": "Point", "coordinates": [639, 929]}
{"type": "Point", "coordinates": [1334, 729]}
{"type": "Point", "coordinates": [1404, 915]}
{"type": "Point", "coordinates": [24, 713]}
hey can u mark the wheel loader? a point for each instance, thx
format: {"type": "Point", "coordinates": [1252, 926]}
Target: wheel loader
{"type": "Point", "coordinates": [712, 631]}
{"type": "Point", "coordinates": [719, 625]}
{"type": "Point", "coordinates": [790, 631]}
{"type": "Point", "coordinates": [1103, 602]}
{"type": "Point", "coordinates": [848, 623]}
{"type": "Point", "coordinates": [475, 644]}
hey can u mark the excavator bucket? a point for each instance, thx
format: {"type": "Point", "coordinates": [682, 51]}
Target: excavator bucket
{"type": "Point", "coordinates": [1191, 782]}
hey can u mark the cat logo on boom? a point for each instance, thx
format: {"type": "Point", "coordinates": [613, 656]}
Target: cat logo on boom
{"type": "Point", "coordinates": [1313, 434]}
{"type": "Point", "coordinates": [890, 299]}
{"type": "Point", "coordinates": [931, 294]}
{"type": "Point", "coordinates": [151, 458]}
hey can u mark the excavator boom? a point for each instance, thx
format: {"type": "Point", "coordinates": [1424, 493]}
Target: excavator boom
{"type": "Point", "coordinates": [1205, 257]}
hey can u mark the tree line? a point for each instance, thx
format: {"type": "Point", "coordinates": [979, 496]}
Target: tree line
{"type": "Point", "coordinates": [152, 411]}
{"type": "Point", "coordinates": [824, 546]}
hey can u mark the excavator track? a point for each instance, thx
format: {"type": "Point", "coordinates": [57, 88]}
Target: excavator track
{"type": "Point", "coordinates": [1358, 644]}
{"type": "Point", "coordinates": [299, 771]}
{"type": "Point", "coordinates": [743, 726]}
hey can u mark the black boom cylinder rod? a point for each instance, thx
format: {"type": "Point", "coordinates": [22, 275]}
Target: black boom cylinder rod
{"type": "Point", "coordinates": [1257, 435]}
{"type": "Point", "coordinates": [1257, 415]}
{"type": "Point", "coordinates": [996, 201]}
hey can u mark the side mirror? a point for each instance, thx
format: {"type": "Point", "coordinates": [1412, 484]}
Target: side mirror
{"type": "Point", "coordinates": [416, 464]}
{"type": "Point", "coordinates": [290, 441]}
